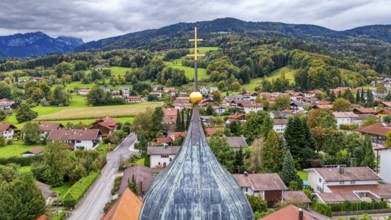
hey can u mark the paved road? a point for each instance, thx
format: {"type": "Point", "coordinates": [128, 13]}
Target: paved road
{"type": "Point", "coordinates": [91, 207]}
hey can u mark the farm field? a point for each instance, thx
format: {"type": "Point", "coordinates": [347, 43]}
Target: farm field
{"type": "Point", "coordinates": [15, 149]}
{"type": "Point", "coordinates": [289, 74]}
{"type": "Point", "coordinates": [117, 111]}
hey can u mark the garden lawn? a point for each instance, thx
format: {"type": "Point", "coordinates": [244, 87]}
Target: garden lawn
{"type": "Point", "coordinates": [25, 169]}
{"type": "Point", "coordinates": [303, 175]}
{"type": "Point", "coordinates": [62, 190]}
{"type": "Point", "coordinates": [117, 111]}
{"type": "Point", "coordinates": [15, 149]}
{"type": "Point", "coordinates": [289, 74]}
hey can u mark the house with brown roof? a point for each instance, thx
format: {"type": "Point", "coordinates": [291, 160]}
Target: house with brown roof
{"type": "Point", "coordinates": [140, 174]}
{"type": "Point", "coordinates": [292, 212]}
{"type": "Point", "coordinates": [212, 131]}
{"type": "Point", "coordinates": [5, 104]}
{"type": "Point", "coordinates": [345, 118]}
{"type": "Point", "coordinates": [268, 185]}
{"type": "Point", "coordinates": [105, 125]}
{"type": "Point", "coordinates": [180, 106]}
{"type": "Point", "coordinates": [182, 100]}
{"type": "Point", "coordinates": [279, 125]}
{"type": "Point", "coordinates": [128, 206]}
{"type": "Point", "coordinates": [84, 91]}
{"type": "Point", "coordinates": [297, 106]}
{"type": "Point", "coordinates": [296, 197]}
{"type": "Point", "coordinates": [387, 105]}
{"type": "Point", "coordinates": [363, 111]}
{"type": "Point", "coordinates": [134, 99]}
{"type": "Point", "coordinates": [33, 152]}
{"type": "Point", "coordinates": [161, 156]}
{"type": "Point", "coordinates": [237, 142]}
{"type": "Point", "coordinates": [169, 116]}
{"type": "Point", "coordinates": [7, 130]}
{"type": "Point", "coordinates": [377, 132]}
{"type": "Point", "coordinates": [318, 106]}
{"type": "Point", "coordinates": [248, 106]}
{"type": "Point", "coordinates": [236, 117]}
{"type": "Point", "coordinates": [383, 112]}
{"type": "Point", "coordinates": [47, 127]}
{"type": "Point", "coordinates": [156, 94]}
{"type": "Point", "coordinates": [334, 185]}
{"type": "Point", "coordinates": [83, 139]}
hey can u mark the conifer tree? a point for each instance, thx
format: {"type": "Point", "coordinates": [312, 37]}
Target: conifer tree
{"type": "Point", "coordinates": [288, 172]}
{"type": "Point", "coordinates": [178, 122]}
{"type": "Point", "coordinates": [273, 153]}
{"type": "Point", "coordinates": [239, 161]}
{"type": "Point", "coordinates": [358, 98]}
{"type": "Point", "coordinates": [188, 119]}
{"type": "Point", "coordinates": [183, 126]}
{"type": "Point", "coordinates": [369, 156]}
{"type": "Point", "coordinates": [332, 97]}
{"type": "Point", "coordinates": [369, 98]}
{"type": "Point", "coordinates": [362, 98]}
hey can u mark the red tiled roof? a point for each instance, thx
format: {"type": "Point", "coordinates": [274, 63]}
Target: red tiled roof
{"type": "Point", "coordinates": [381, 190]}
{"type": "Point", "coordinates": [73, 134]}
{"type": "Point", "coordinates": [128, 207]}
{"type": "Point", "coordinates": [5, 126]}
{"type": "Point", "coordinates": [164, 140]}
{"type": "Point", "coordinates": [384, 112]}
{"type": "Point", "coordinates": [349, 174]}
{"type": "Point", "coordinates": [261, 181]}
{"type": "Point", "coordinates": [178, 134]}
{"type": "Point", "coordinates": [42, 217]}
{"type": "Point", "coordinates": [170, 111]}
{"type": "Point", "coordinates": [107, 121]}
{"type": "Point", "coordinates": [212, 131]}
{"type": "Point", "coordinates": [376, 129]}
{"type": "Point", "coordinates": [291, 212]}
{"type": "Point", "coordinates": [35, 150]}
{"type": "Point", "coordinates": [236, 116]}
{"type": "Point", "coordinates": [48, 126]}
{"type": "Point", "coordinates": [365, 110]}
{"type": "Point", "coordinates": [387, 104]}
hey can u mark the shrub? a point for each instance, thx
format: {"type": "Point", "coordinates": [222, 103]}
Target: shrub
{"type": "Point", "coordinates": [22, 161]}
{"type": "Point", "coordinates": [117, 184]}
{"type": "Point", "coordinates": [348, 127]}
{"type": "Point", "coordinates": [77, 191]}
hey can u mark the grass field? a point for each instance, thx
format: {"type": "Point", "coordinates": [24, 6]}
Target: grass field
{"type": "Point", "coordinates": [62, 190]}
{"type": "Point", "coordinates": [303, 175]}
{"type": "Point", "coordinates": [15, 150]}
{"type": "Point", "coordinates": [289, 74]}
{"type": "Point", "coordinates": [204, 49]}
{"type": "Point", "coordinates": [118, 111]}
{"type": "Point", "coordinates": [189, 72]}
{"type": "Point", "coordinates": [116, 70]}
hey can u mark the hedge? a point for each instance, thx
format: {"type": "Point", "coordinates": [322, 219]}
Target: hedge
{"type": "Point", "coordinates": [348, 127]}
{"type": "Point", "coordinates": [22, 161]}
{"type": "Point", "coordinates": [358, 206]}
{"type": "Point", "coordinates": [77, 191]}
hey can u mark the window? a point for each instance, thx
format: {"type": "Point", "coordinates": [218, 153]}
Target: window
{"type": "Point", "coordinates": [341, 182]}
{"type": "Point", "coordinates": [352, 182]}
{"type": "Point", "coordinates": [164, 156]}
{"type": "Point", "coordinates": [320, 180]}
{"type": "Point", "coordinates": [78, 141]}
{"type": "Point", "coordinates": [246, 189]}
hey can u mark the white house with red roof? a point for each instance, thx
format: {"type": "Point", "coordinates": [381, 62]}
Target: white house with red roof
{"type": "Point", "coordinates": [83, 139]}
{"type": "Point", "coordinates": [84, 91]}
{"type": "Point", "coordinates": [7, 130]}
{"type": "Point", "coordinates": [5, 104]}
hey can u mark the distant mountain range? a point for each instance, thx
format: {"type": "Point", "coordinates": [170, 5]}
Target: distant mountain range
{"type": "Point", "coordinates": [36, 44]}
{"type": "Point", "coordinates": [176, 35]}
{"type": "Point", "coordinates": [181, 31]}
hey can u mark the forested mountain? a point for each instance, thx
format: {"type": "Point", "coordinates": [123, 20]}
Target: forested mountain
{"type": "Point", "coordinates": [35, 44]}
{"type": "Point", "coordinates": [181, 31]}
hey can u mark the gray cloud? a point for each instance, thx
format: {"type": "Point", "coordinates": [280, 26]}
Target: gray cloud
{"type": "Point", "coordinates": [96, 19]}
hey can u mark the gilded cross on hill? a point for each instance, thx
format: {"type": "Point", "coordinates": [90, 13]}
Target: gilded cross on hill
{"type": "Point", "coordinates": [196, 97]}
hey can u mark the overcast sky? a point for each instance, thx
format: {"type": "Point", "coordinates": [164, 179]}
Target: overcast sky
{"type": "Point", "coordinates": [97, 19]}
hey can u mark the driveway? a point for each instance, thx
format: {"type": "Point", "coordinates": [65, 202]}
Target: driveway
{"type": "Point", "coordinates": [91, 206]}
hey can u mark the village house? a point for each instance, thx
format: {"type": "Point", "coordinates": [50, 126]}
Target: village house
{"type": "Point", "coordinates": [279, 125]}
{"type": "Point", "coordinates": [297, 106]}
{"type": "Point", "coordinates": [170, 90]}
{"type": "Point", "coordinates": [204, 90]}
{"type": "Point", "coordinates": [183, 94]}
{"type": "Point", "coordinates": [5, 104]}
{"type": "Point", "coordinates": [219, 109]}
{"type": "Point", "coordinates": [124, 91]}
{"type": "Point", "coordinates": [248, 106]}
{"type": "Point", "coordinates": [169, 116]}
{"type": "Point", "coordinates": [182, 99]}
{"type": "Point", "coordinates": [281, 114]}
{"type": "Point", "coordinates": [311, 93]}
{"type": "Point", "coordinates": [84, 91]}
{"type": "Point", "coordinates": [105, 125]}
{"type": "Point", "coordinates": [384, 157]}
{"type": "Point", "coordinates": [344, 118]}
{"type": "Point", "coordinates": [140, 174]}
{"type": "Point", "coordinates": [180, 106]}
{"type": "Point", "coordinates": [163, 141]}
{"type": "Point", "coordinates": [237, 142]}
{"type": "Point", "coordinates": [236, 117]}
{"type": "Point", "coordinates": [296, 197]}
{"type": "Point", "coordinates": [205, 102]}
{"type": "Point", "coordinates": [156, 94]}
{"type": "Point", "coordinates": [334, 185]}
{"type": "Point", "coordinates": [128, 206]}
{"type": "Point", "coordinates": [33, 152]}
{"type": "Point", "coordinates": [178, 134]}
{"type": "Point", "coordinates": [377, 132]}
{"type": "Point", "coordinates": [364, 111]}
{"type": "Point", "coordinates": [212, 131]}
{"type": "Point", "coordinates": [160, 157]}
{"type": "Point", "coordinates": [382, 113]}
{"type": "Point", "coordinates": [134, 99]}
{"type": "Point", "coordinates": [267, 185]}
{"type": "Point", "coordinates": [7, 130]}
{"type": "Point", "coordinates": [47, 127]}
{"type": "Point", "coordinates": [77, 139]}
{"type": "Point", "coordinates": [208, 120]}
{"type": "Point", "coordinates": [292, 212]}
{"type": "Point", "coordinates": [327, 106]}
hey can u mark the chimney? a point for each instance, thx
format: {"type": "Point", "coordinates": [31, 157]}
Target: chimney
{"type": "Point", "coordinates": [341, 170]}
{"type": "Point", "coordinates": [245, 173]}
{"type": "Point", "coordinates": [301, 215]}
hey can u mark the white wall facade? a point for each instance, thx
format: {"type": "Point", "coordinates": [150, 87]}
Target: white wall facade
{"type": "Point", "coordinates": [9, 134]}
{"type": "Point", "coordinates": [279, 128]}
{"type": "Point", "coordinates": [385, 165]}
{"type": "Point", "coordinates": [344, 121]}
{"type": "Point", "coordinates": [159, 160]}
{"type": "Point", "coordinates": [252, 109]}
{"type": "Point", "coordinates": [249, 191]}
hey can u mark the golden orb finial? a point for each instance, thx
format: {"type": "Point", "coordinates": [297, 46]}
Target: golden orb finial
{"type": "Point", "coordinates": [195, 97]}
